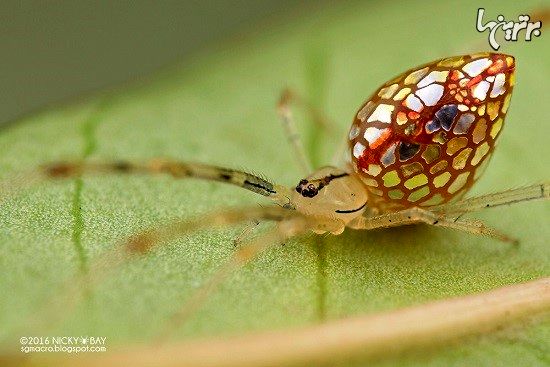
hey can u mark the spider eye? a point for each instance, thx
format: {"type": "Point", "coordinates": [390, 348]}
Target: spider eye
{"type": "Point", "coordinates": [310, 191]}
{"type": "Point", "coordinates": [306, 189]}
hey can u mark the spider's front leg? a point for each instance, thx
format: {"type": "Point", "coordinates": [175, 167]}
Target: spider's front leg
{"type": "Point", "coordinates": [418, 215]}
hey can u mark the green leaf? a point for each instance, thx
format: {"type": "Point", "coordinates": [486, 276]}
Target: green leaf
{"type": "Point", "coordinates": [220, 109]}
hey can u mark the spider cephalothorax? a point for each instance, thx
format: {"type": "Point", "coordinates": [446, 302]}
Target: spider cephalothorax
{"type": "Point", "coordinates": [330, 192]}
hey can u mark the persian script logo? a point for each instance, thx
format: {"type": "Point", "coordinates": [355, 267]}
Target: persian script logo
{"type": "Point", "coordinates": [512, 29]}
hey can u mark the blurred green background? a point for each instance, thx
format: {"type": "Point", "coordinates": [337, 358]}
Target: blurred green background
{"type": "Point", "coordinates": [51, 51]}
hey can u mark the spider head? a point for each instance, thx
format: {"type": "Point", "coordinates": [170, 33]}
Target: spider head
{"type": "Point", "coordinates": [331, 192]}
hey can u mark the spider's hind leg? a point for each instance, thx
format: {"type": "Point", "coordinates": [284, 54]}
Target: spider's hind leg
{"type": "Point", "coordinates": [532, 192]}
{"type": "Point", "coordinates": [447, 215]}
{"type": "Point", "coordinates": [418, 215]}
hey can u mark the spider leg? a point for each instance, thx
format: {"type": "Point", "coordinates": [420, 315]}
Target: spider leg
{"type": "Point", "coordinates": [150, 238]}
{"type": "Point", "coordinates": [178, 169]}
{"type": "Point", "coordinates": [291, 223]}
{"type": "Point", "coordinates": [512, 196]}
{"type": "Point", "coordinates": [292, 135]}
{"type": "Point", "coordinates": [249, 250]}
{"type": "Point", "coordinates": [287, 98]}
{"type": "Point", "coordinates": [341, 157]}
{"type": "Point", "coordinates": [418, 215]}
{"type": "Point", "coordinates": [247, 230]}
{"type": "Point", "coordinates": [479, 228]}
{"type": "Point", "coordinates": [319, 118]}
{"type": "Point", "coordinates": [146, 240]}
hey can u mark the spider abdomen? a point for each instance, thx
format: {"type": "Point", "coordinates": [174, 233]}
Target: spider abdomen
{"type": "Point", "coordinates": [424, 137]}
